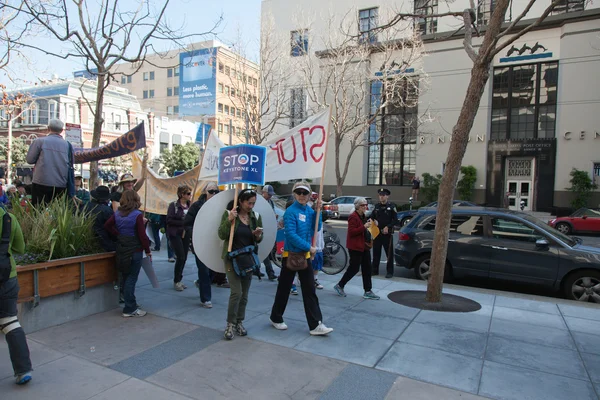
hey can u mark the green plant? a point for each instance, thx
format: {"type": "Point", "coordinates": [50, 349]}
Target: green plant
{"type": "Point", "coordinates": [276, 185]}
{"type": "Point", "coordinates": [466, 183]}
{"type": "Point", "coordinates": [431, 187]}
{"type": "Point", "coordinates": [182, 158]}
{"type": "Point", "coordinates": [57, 230]}
{"type": "Point", "coordinates": [582, 187]}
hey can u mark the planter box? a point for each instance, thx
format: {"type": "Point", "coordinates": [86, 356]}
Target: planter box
{"type": "Point", "coordinates": [58, 291]}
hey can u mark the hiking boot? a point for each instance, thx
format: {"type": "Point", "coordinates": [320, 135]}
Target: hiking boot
{"type": "Point", "coordinates": [240, 330]}
{"type": "Point", "coordinates": [318, 284]}
{"type": "Point", "coordinates": [228, 335]}
{"type": "Point", "coordinates": [370, 295]}
{"type": "Point", "coordinates": [206, 304]}
{"type": "Point", "coordinates": [137, 313]}
{"type": "Point", "coordinates": [22, 379]}
{"type": "Point", "coordinates": [279, 325]}
{"type": "Point", "coordinates": [339, 290]}
{"type": "Point", "coordinates": [321, 330]}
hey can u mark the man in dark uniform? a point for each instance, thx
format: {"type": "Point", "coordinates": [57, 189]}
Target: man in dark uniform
{"type": "Point", "coordinates": [385, 217]}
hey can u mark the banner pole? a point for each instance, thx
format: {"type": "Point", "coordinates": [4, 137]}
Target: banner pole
{"type": "Point", "coordinates": [319, 199]}
{"type": "Point", "coordinates": [200, 169]}
{"type": "Point", "coordinates": [145, 180]}
{"type": "Point", "coordinates": [235, 199]}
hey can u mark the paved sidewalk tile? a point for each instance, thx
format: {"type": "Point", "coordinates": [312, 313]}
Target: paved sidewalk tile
{"type": "Point", "coordinates": [534, 356]}
{"type": "Point", "coordinates": [586, 311]}
{"type": "Point", "coordinates": [295, 310]}
{"type": "Point", "coordinates": [40, 355]}
{"type": "Point", "coordinates": [587, 342]}
{"type": "Point", "coordinates": [260, 328]}
{"type": "Point", "coordinates": [583, 325]}
{"type": "Point", "coordinates": [351, 347]}
{"type": "Point", "coordinates": [247, 369]}
{"type": "Point", "coordinates": [356, 382]}
{"type": "Point", "coordinates": [215, 318]}
{"type": "Point", "coordinates": [377, 325]}
{"type": "Point", "coordinates": [435, 366]}
{"type": "Point", "coordinates": [386, 308]}
{"type": "Point", "coordinates": [592, 364]}
{"type": "Point", "coordinates": [164, 355]}
{"type": "Point", "coordinates": [446, 337]}
{"type": "Point", "coordinates": [411, 389]}
{"type": "Point", "coordinates": [529, 305]}
{"type": "Point", "coordinates": [508, 382]}
{"type": "Point", "coordinates": [481, 298]}
{"type": "Point", "coordinates": [529, 317]}
{"type": "Point", "coordinates": [108, 338]}
{"type": "Point", "coordinates": [531, 333]}
{"type": "Point", "coordinates": [135, 389]}
{"type": "Point", "coordinates": [66, 378]}
{"type": "Point", "coordinates": [474, 321]}
{"type": "Point", "coordinates": [165, 305]}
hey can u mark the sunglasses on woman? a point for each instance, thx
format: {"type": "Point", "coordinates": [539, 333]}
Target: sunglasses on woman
{"type": "Point", "coordinates": [301, 192]}
{"type": "Point", "coordinates": [213, 191]}
{"type": "Point", "coordinates": [188, 193]}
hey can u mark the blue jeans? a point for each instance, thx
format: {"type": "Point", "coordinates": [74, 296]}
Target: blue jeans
{"type": "Point", "coordinates": [204, 281]}
{"type": "Point", "coordinates": [156, 234]}
{"type": "Point", "coordinates": [170, 252]}
{"type": "Point", "coordinates": [9, 325]}
{"type": "Point", "coordinates": [129, 282]}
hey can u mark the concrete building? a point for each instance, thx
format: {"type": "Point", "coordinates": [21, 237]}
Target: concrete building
{"type": "Point", "coordinates": [539, 116]}
{"type": "Point", "coordinates": [206, 82]}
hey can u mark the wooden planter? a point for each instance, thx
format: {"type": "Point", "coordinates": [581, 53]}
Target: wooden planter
{"type": "Point", "coordinates": [74, 274]}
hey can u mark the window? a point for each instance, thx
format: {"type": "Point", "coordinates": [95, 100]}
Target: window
{"type": "Point", "coordinates": [220, 107]}
{"type": "Point", "coordinates": [145, 94]}
{"type": "Point", "coordinates": [467, 225]}
{"type": "Point", "coordinates": [220, 128]}
{"type": "Point", "coordinates": [169, 110]}
{"type": "Point", "coordinates": [30, 116]}
{"type": "Point", "coordinates": [507, 229]}
{"type": "Point", "coordinates": [42, 109]}
{"type": "Point", "coordinates": [72, 114]}
{"type": "Point", "coordinates": [163, 147]}
{"type": "Point", "coordinates": [393, 136]}
{"type": "Point", "coordinates": [226, 109]}
{"type": "Point", "coordinates": [52, 109]}
{"type": "Point", "coordinates": [170, 73]}
{"type": "Point", "coordinates": [232, 92]}
{"type": "Point", "coordinates": [146, 75]}
{"type": "Point", "coordinates": [484, 11]}
{"type": "Point", "coordinates": [227, 71]}
{"type": "Point", "coordinates": [524, 101]}
{"type": "Point", "coordinates": [221, 67]}
{"type": "Point", "coordinates": [566, 6]}
{"type": "Point", "coordinates": [226, 129]}
{"type": "Point", "coordinates": [151, 93]}
{"type": "Point", "coordinates": [299, 43]}
{"type": "Point", "coordinates": [367, 20]}
{"type": "Point", "coordinates": [232, 111]}
{"type": "Point", "coordinates": [596, 174]}
{"type": "Point", "coordinates": [123, 79]}
{"type": "Point", "coordinates": [169, 92]}
{"type": "Point", "coordinates": [118, 122]}
{"type": "Point", "coordinates": [220, 88]}
{"type": "Point", "coordinates": [151, 75]}
{"type": "Point", "coordinates": [176, 71]}
{"type": "Point", "coordinates": [297, 107]}
{"type": "Point", "coordinates": [176, 91]}
{"type": "Point", "coordinates": [426, 25]}
{"type": "Point", "coordinates": [227, 90]}
{"type": "Point", "coordinates": [234, 73]}
{"type": "Point", "coordinates": [239, 113]}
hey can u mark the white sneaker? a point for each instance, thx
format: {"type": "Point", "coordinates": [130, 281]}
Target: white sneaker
{"type": "Point", "coordinates": [321, 330]}
{"type": "Point", "coordinates": [206, 304]}
{"type": "Point", "coordinates": [318, 284]}
{"type": "Point", "coordinates": [179, 286]}
{"type": "Point", "coordinates": [279, 325]}
{"type": "Point", "coordinates": [137, 313]}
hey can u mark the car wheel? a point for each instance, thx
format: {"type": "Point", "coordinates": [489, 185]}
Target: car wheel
{"type": "Point", "coordinates": [423, 271]}
{"type": "Point", "coordinates": [583, 286]}
{"type": "Point", "coordinates": [405, 221]}
{"type": "Point", "coordinates": [563, 227]}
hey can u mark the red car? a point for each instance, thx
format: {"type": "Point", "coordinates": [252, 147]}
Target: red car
{"type": "Point", "coordinates": [584, 220]}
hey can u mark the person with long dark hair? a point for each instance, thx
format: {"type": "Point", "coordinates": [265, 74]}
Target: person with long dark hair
{"type": "Point", "coordinates": [247, 232]}
{"type": "Point", "coordinates": [178, 239]}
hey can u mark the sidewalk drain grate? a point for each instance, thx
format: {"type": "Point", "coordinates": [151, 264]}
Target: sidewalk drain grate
{"type": "Point", "coordinates": [449, 303]}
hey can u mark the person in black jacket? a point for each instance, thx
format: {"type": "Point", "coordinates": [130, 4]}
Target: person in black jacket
{"type": "Point", "coordinates": [99, 208]}
{"type": "Point", "coordinates": [204, 273]}
{"type": "Point", "coordinates": [179, 240]}
{"type": "Point", "coordinates": [386, 217]}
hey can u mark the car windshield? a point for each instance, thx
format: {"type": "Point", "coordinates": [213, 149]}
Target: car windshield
{"type": "Point", "coordinates": [571, 241]}
{"type": "Point", "coordinates": [587, 212]}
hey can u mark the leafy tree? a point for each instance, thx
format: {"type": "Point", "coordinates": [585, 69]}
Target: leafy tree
{"type": "Point", "coordinates": [466, 183]}
{"type": "Point", "coordinates": [181, 158]}
{"type": "Point", "coordinates": [431, 187]}
{"type": "Point", "coordinates": [582, 187]}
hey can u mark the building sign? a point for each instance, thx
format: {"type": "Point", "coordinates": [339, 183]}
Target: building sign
{"type": "Point", "coordinates": [202, 133]}
{"type": "Point", "coordinates": [197, 82]}
{"type": "Point", "coordinates": [535, 49]}
{"type": "Point", "coordinates": [580, 135]}
{"type": "Point", "coordinates": [73, 134]}
{"type": "Point", "coordinates": [244, 163]}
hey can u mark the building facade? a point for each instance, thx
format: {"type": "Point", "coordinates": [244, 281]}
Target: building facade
{"type": "Point", "coordinates": [538, 119]}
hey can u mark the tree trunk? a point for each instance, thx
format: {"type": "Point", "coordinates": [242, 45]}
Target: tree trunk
{"type": "Point", "coordinates": [458, 147]}
{"type": "Point", "coordinates": [339, 179]}
{"type": "Point", "coordinates": [98, 122]}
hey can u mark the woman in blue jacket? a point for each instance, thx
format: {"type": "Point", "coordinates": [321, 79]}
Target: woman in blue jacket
{"type": "Point", "coordinates": [299, 221]}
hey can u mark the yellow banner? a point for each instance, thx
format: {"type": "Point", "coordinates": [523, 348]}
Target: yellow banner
{"type": "Point", "coordinates": [157, 192]}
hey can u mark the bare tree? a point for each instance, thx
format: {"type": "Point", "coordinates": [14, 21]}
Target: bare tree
{"type": "Point", "coordinates": [497, 37]}
{"type": "Point", "coordinates": [12, 107]}
{"type": "Point", "coordinates": [9, 33]}
{"type": "Point", "coordinates": [388, 71]}
{"type": "Point", "coordinates": [102, 34]}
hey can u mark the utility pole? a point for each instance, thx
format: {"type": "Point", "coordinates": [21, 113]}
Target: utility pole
{"type": "Point", "coordinates": [9, 146]}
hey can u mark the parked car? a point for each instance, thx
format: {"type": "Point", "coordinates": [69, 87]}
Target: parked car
{"type": "Point", "coordinates": [584, 220]}
{"type": "Point", "coordinates": [404, 217]}
{"type": "Point", "coordinates": [345, 205]}
{"type": "Point", "coordinates": [505, 245]}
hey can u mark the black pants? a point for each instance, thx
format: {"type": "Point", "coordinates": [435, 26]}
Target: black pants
{"type": "Point", "coordinates": [379, 242]}
{"type": "Point", "coordinates": [269, 266]}
{"type": "Point", "coordinates": [45, 194]}
{"type": "Point", "coordinates": [10, 327]}
{"type": "Point", "coordinates": [362, 260]}
{"type": "Point", "coordinates": [309, 295]}
{"type": "Point", "coordinates": [181, 247]}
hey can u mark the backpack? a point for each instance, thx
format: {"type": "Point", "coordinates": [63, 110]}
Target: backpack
{"type": "Point", "coordinates": [5, 264]}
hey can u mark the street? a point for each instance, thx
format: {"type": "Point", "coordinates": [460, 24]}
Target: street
{"type": "Point", "coordinates": [340, 227]}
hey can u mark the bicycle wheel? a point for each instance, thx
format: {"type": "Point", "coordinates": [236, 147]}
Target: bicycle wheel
{"type": "Point", "coordinates": [335, 259]}
{"type": "Point", "coordinates": [275, 258]}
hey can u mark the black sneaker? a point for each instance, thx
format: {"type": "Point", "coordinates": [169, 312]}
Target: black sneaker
{"type": "Point", "coordinates": [389, 276]}
{"type": "Point", "coordinates": [228, 335]}
{"type": "Point", "coordinates": [240, 330]}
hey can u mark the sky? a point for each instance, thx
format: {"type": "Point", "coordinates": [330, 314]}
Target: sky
{"type": "Point", "coordinates": [239, 17]}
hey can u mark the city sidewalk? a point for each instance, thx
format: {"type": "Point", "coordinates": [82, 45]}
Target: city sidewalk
{"type": "Point", "coordinates": [515, 347]}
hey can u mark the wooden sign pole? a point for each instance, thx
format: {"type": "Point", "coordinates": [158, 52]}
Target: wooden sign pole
{"type": "Point", "coordinates": [200, 170]}
{"type": "Point", "coordinates": [319, 199]}
{"type": "Point", "coordinates": [235, 199]}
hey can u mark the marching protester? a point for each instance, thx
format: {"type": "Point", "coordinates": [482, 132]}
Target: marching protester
{"type": "Point", "coordinates": [127, 224]}
{"type": "Point", "coordinates": [9, 291]}
{"type": "Point", "coordinates": [127, 182]}
{"type": "Point", "coordinates": [299, 220]}
{"type": "Point", "coordinates": [358, 242]}
{"type": "Point", "coordinates": [53, 160]}
{"type": "Point", "coordinates": [267, 193]}
{"type": "Point", "coordinates": [248, 232]}
{"type": "Point", "coordinates": [385, 217]}
{"type": "Point", "coordinates": [155, 224]}
{"type": "Point", "coordinates": [98, 207]}
{"type": "Point", "coordinates": [82, 196]}
{"type": "Point", "coordinates": [204, 273]}
{"type": "Point", "coordinates": [416, 185]}
{"type": "Point", "coordinates": [178, 238]}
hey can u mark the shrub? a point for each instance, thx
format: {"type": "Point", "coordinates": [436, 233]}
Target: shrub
{"type": "Point", "coordinates": [582, 186]}
{"type": "Point", "coordinates": [431, 187]}
{"type": "Point", "coordinates": [466, 183]}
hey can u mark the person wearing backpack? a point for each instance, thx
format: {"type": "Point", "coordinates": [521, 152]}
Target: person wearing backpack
{"type": "Point", "coordinates": [12, 242]}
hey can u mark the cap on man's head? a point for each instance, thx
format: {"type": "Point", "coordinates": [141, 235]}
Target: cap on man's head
{"type": "Point", "coordinates": [56, 125]}
{"type": "Point", "coordinates": [268, 189]}
{"type": "Point", "coordinates": [384, 191]}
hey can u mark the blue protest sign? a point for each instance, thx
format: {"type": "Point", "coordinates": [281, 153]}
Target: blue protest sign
{"type": "Point", "coordinates": [202, 133]}
{"type": "Point", "coordinates": [244, 163]}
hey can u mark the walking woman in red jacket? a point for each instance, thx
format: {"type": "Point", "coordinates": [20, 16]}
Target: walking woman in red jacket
{"type": "Point", "coordinates": [360, 253]}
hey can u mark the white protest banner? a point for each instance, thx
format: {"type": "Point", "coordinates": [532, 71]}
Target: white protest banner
{"type": "Point", "coordinates": [73, 134]}
{"type": "Point", "coordinates": [210, 160]}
